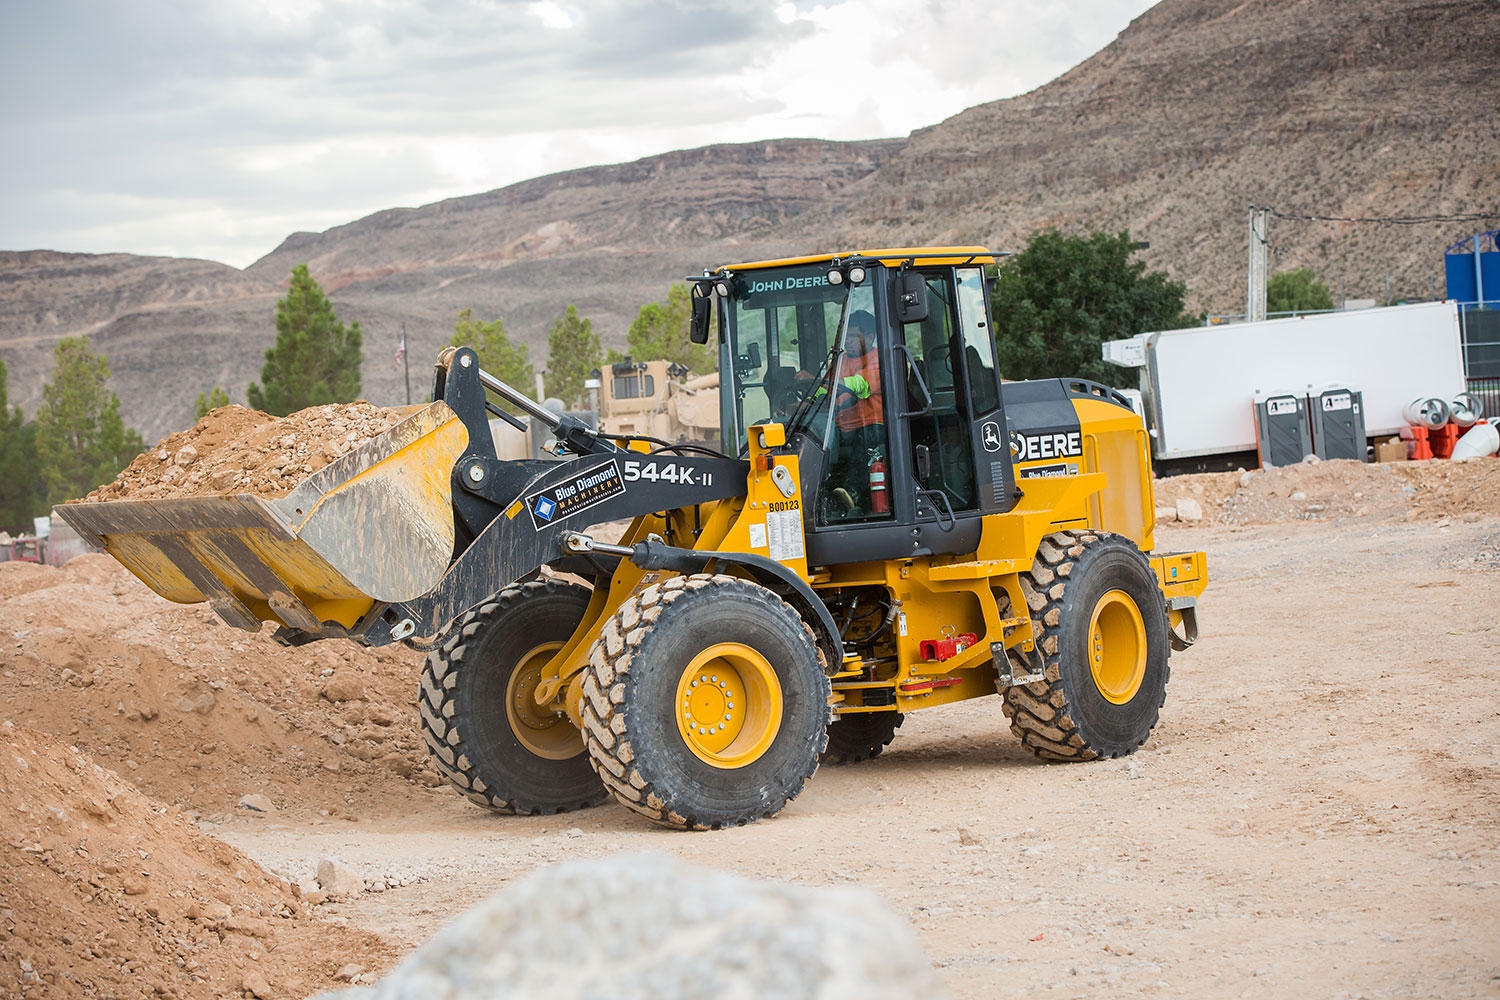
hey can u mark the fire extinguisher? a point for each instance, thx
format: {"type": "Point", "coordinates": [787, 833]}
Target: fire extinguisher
{"type": "Point", "coordinates": [880, 502]}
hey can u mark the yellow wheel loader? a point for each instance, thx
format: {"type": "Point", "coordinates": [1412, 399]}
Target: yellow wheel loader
{"type": "Point", "coordinates": [895, 528]}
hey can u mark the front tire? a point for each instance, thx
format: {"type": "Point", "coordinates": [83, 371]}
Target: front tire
{"type": "Point", "coordinates": [486, 733]}
{"type": "Point", "coordinates": [705, 703]}
{"type": "Point", "coordinates": [1104, 636]}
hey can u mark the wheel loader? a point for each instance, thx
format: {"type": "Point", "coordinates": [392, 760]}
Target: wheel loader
{"type": "Point", "coordinates": [893, 527]}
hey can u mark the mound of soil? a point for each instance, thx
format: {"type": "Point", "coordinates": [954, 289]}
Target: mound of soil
{"type": "Point", "coordinates": [199, 714]}
{"type": "Point", "coordinates": [107, 892]}
{"type": "Point", "coordinates": [235, 450]}
{"type": "Point", "coordinates": [1342, 489]}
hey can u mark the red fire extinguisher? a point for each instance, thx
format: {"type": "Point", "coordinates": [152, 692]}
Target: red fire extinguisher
{"type": "Point", "coordinates": [880, 502]}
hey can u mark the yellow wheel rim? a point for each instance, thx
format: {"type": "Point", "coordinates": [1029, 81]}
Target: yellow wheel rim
{"type": "Point", "coordinates": [541, 729]}
{"type": "Point", "coordinates": [1117, 647]}
{"type": "Point", "coordinates": [729, 705]}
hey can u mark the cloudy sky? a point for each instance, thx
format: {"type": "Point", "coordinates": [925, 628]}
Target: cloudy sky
{"type": "Point", "coordinates": [214, 129]}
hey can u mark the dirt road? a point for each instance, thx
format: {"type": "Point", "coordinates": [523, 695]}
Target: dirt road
{"type": "Point", "coordinates": [1317, 815]}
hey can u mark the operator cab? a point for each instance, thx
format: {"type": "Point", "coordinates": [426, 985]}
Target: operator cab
{"type": "Point", "coordinates": [881, 365]}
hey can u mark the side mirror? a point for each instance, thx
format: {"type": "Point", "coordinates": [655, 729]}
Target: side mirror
{"type": "Point", "coordinates": [702, 313]}
{"type": "Point", "coordinates": [911, 297]}
{"type": "Point", "coordinates": [750, 360]}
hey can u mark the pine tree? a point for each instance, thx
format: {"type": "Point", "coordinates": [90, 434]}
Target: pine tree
{"type": "Point", "coordinates": [81, 442]}
{"type": "Point", "coordinates": [573, 353]}
{"type": "Point", "coordinates": [210, 401]}
{"type": "Point", "coordinates": [660, 333]}
{"type": "Point", "coordinates": [315, 360]}
{"type": "Point", "coordinates": [497, 355]}
{"type": "Point", "coordinates": [21, 493]}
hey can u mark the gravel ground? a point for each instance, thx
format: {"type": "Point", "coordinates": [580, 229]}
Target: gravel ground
{"type": "Point", "coordinates": [1316, 814]}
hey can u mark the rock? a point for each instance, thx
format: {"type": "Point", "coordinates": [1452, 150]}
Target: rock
{"type": "Point", "coordinates": [1299, 495]}
{"type": "Point", "coordinates": [1310, 460]}
{"type": "Point", "coordinates": [347, 973]}
{"type": "Point", "coordinates": [256, 802]}
{"type": "Point", "coordinates": [1164, 514]}
{"type": "Point", "coordinates": [1189, 509]}
{"type": "Point", "coordinates": [343, 688]}
{"type": "Point", "coordinates": [185, 456]}
{"type": "Point", "coordinates": [1246, 478]}
{"type": "Point", "coordinates": [727, 935]}
{"type": "Point", "coordinates": [399, 763]}
{"type": "Point", "coordinates": [241, 923]}
{"type": "Point", "coordinates": [255, 984]}
{"type": "Point", "coordinates": [338, 879]}
{"type": "Point", "coordinates": [966, 838]}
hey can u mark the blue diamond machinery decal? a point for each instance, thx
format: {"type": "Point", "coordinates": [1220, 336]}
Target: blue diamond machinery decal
{"type": "Point", "coordinates": [544, 508]}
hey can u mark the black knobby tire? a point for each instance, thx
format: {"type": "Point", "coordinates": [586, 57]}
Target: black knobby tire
{"type": "Point", "coordinates": [1068, 716]}
{"type": "Point", "coordinates": [463, 704]}
{"type": "Point", "coordinates": [861, 736]}
{"type": "Point", "coordinates": [634, 689]}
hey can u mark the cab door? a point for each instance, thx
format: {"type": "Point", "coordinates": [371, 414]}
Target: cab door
{"type": "Point", "coordinates": [956, 427]}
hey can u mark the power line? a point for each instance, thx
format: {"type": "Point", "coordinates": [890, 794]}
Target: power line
{"type": "Point", "coordinates": [1390, 220]}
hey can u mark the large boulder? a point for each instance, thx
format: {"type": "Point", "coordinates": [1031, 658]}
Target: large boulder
{"type": "Point", "coordinates": [649, 926]}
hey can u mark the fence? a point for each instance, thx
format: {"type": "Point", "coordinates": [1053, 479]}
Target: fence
{"type": "Point", "coordinates": [1488, 391]}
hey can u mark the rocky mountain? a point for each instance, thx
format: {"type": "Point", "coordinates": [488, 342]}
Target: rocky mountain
{"type": "Point", "coordinates": [1197, 110]}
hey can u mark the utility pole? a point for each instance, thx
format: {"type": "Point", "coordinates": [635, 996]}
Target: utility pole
{"type": "Point", "coordinates": [405, 363]}
{"type": "Point", "coordinates": [1255, 304]}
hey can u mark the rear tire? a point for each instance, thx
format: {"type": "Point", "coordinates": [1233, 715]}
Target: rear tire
{"type": "Point", "coordinates": [487, 735]}
{"type": "Point", "coordinates": [1103, 633]}
{"type": "Point", "coordinates": [705, 703]}
{"type": "Point", "coordinates": [861, 736]}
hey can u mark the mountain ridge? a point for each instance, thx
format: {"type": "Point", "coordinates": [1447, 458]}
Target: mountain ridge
{"type": "Point", "coordinates": [1196, 110]}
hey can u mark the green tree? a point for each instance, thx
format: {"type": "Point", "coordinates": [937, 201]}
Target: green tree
{"type": "Point", "coordinates": [1059, 299]}
{"type": "Point", "coordinates": [660, 333]}
{"type": "Point", "coordinates": [210, 401]}
{"type": "Point", "coordinates": [1298, 290]}
{"type": "Point", "coordinates": [81, 441]}
{"type": "Point", "coordinates": [497, 355]}
{"type": "Point", "coordinates": [315, 359]}
{"type": "Point", "coordinates": [573, 352]}
{"type": "Point", "coordinates": [21, 493]}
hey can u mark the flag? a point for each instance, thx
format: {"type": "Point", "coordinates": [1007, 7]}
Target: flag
{"type": "Point", "coordinates": [401, 348]}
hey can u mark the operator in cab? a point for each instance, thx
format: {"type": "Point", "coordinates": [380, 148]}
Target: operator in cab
{"type": "Point", "coordinates": [859, 414]}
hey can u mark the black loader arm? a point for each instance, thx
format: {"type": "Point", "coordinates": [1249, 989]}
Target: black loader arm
{"type": "Point", "coordinates": [512, 515]}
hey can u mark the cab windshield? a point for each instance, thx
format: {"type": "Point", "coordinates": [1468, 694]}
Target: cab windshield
{"type": "Point", "coordinates": [781, 328]}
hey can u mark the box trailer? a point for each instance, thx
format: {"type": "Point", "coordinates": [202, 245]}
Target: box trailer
{"type": "Point", "coordinates": [1199, 384]}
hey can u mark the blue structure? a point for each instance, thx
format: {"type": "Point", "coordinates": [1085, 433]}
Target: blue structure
{"type": "Point", "coordinates": [1472, 268]}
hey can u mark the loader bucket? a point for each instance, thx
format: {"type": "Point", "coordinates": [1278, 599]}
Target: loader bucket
{"type": "Point", "coordinates": [375, 525]}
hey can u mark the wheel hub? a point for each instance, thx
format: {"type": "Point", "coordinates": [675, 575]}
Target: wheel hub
{"type": "Point", "coordinates": [1117, 647]}
{"type": "Point", "coordinates": [729, 705]}
{"type": "Point", "coordinates": [544, 730]}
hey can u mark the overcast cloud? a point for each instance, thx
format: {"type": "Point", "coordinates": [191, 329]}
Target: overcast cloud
{"type": "Point", "coordinates": [215, 129]}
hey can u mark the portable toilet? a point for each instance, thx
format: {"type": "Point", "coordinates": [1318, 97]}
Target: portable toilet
{"type": "Point", "coordinates": [1338, 422]}
{"type": "Point", "coordinates": [1282, 432]}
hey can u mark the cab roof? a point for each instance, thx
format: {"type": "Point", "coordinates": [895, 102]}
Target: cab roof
{"type": "Point", "coordinates": [890, 257]}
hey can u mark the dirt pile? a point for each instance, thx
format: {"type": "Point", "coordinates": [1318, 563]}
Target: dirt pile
{"type": "Point", "coordinates": [199, 714]}
{"type": "Point", "coordinates": [1339, 490]}
{"type": "Point", "coordinates": [235, 450]}
{"type": "Point", "coordinates": [106, 892]}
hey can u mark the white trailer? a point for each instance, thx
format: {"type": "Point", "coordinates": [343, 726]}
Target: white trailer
{"type": "Point", "coordinates": [1199, 384]}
